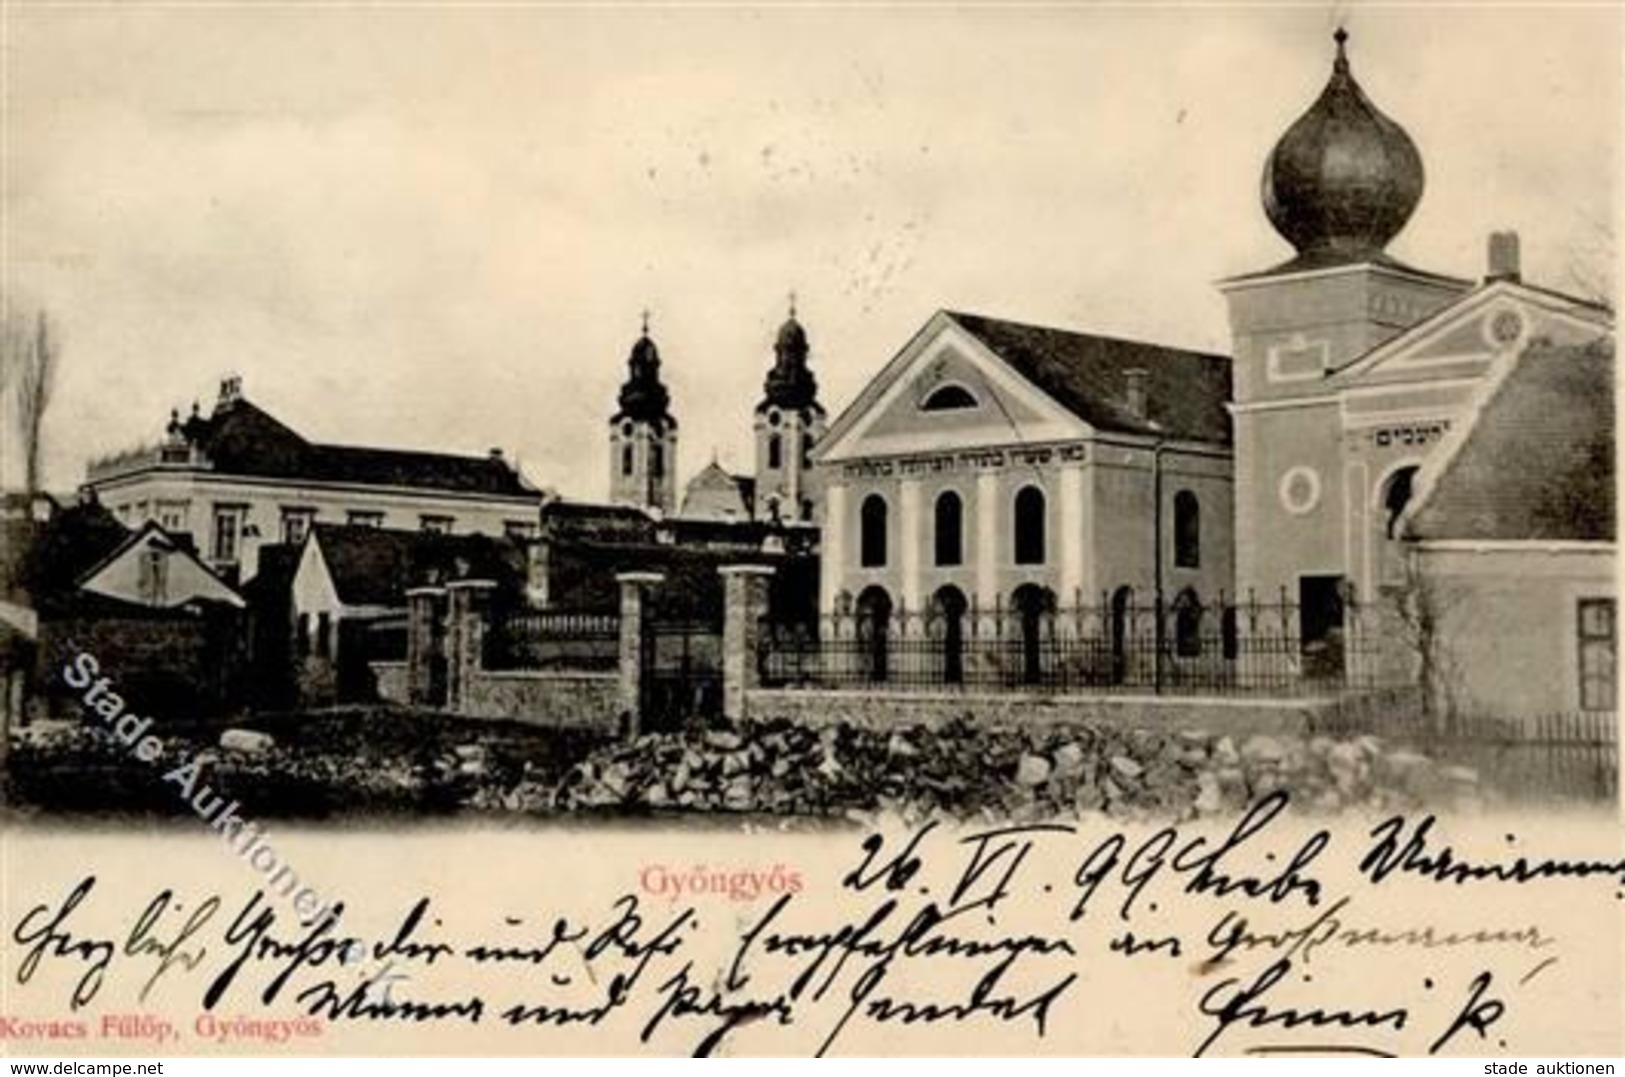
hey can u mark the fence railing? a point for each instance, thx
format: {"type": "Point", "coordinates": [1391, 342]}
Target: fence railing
{"type": "Point", "coordinates": [1572, 755]}
{"type": "Point", "coordinates": [1227, 649]}
{"type": "Point", "coordinates": [553, 639]}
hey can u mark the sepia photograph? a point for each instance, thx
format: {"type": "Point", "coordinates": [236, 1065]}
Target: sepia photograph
{"type": "Point", "coordinates": [904, 526]}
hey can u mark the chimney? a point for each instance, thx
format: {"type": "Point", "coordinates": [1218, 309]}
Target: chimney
{"type": "Point", "coordinates": [231, 390]}
{"type": "Point", "coordinates": [496, 453]}
{"type": "Point", "coordinates": [1503, 257]}
{"type": "Point", "coordinates": [1135, 391]}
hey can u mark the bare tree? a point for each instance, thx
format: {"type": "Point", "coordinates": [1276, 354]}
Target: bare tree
{"type": "Point", "coordinates": [28, 361]}
{"type": "Point", "coordinates": [1591, 262]}
{"type": "Point", "coordinates": [1422, 604]}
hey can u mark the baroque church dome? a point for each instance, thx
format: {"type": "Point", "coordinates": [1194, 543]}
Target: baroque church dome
{"type": "Point", "coordinates": [1344, 179]}
{"type": "Point", "coordinates": [644, 397]}
{"type": "Point", "coordinates": [790, 383]}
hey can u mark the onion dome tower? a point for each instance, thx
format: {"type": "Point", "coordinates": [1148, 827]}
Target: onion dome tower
{"type": "Point", "coordinates": [1344, 179]}
{"type": "Point", "coordinates": [789, 422]}
{"type": "Point", "coordinates": [643, 434]}
{"type": "Point", "coordinates": [1339, 185]}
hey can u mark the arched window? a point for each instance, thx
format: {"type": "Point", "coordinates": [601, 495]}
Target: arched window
{"type": "Point", "coordinates": [950, 529]}
{"type": "Point", "coordinates": [948, 397]}
{"type": "Point", "coordinates": [874, 630]}
{"type": "Point", "coordinates": [806, 451]}
{"type": "Point", "coordinates": [948, 607]}
{"type": "Point", "coordinates": [1187, 624]}
{"type": "Point", "coordinates": [872, 541]}
{"type": "Point", "coordinates": [806, 509]}
{"type": "Point", "coordinates": [1398, 495]}
{"type": "Point", "coordinates": [626, 459]}
{"type": "Point", "coordinates": [1034, 607]}
{"type": "Point", "coordinates": [1187, 530]}
{"type": "Point", "coordinates": [775, 452]}
{"type": "Point", "coordinates": [657, 460]}
{"type": "Point", "coordinates": [1030, 526]}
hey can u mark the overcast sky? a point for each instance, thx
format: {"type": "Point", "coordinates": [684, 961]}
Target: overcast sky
{"type": "Point", "coordinates": [436, 228]}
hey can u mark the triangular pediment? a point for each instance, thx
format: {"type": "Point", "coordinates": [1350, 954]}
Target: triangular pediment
{"type": "Point", "coordinates": [946, 388]}
{"type": "Point", "coordinates": [154, 569]}
{"type": "Point", "coordinates": [1464, 339]}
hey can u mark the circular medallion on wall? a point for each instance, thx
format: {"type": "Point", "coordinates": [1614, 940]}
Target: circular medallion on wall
{"type": "Point", "coordinates": [1504, 327]}
{"type": "Point", "coordinates": [1300, 490]}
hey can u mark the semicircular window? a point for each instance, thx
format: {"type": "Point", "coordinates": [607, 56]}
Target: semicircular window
{"type": "Point", "coordinates": [949, 397]}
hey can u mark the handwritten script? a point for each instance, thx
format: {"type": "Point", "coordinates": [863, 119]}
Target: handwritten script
{"type": "Point", "coordinates": [1024, 929]}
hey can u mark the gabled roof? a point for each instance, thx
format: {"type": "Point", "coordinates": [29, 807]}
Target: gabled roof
{"type": "Point", "coordinates": [209, 587]}
{"type": "Point", "coordinates": [1581, 312]}
{"type": "Point", "coordinates": [240, 438]}
{"type": "Point", "coordinates": [1537, 460]}
{"type": "Point", "coordinates": [371, 566]}
{"type": "Point", "coordinates": [1186, 391]}
{"type": "Point", "coordinates": [716, 494]}
{"type": "Point", "coordinates": [1085, 376]}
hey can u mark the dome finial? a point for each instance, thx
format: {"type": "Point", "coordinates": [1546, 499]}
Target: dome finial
{"type": "Point", "coordinates": [1344, 179]}
{"type": "Point", "coordinates": [792, 304]}
{"type": "Point", "coordinates": [645, 319]}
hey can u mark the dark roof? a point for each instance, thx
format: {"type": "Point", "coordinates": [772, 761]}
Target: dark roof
{"type": "Point", "coordinates": [371, 566]}
{"type": "Point", "coordinates": [242, 439]}
{"type": "Point", "coordinates": [582, 576]}
{"type": "Point", "coordinates": [1186, 391]}
{"type": "Point", "coordinates": [1325, 259]}
{"type": "Point", "coordinates": [621, 527]}
{"type": "Point", "coordinates": [1538, 463]}
{"type": "Point", "coordinates": [175, 541]}
{"type": "Point", "coordinates": [74, 541]}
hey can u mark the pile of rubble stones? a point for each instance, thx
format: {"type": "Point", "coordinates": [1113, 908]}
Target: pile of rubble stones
{"type": "Point", "coordinates": [964, 770]}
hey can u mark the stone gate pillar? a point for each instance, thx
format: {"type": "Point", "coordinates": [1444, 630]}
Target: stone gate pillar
{"type": "Point", "coordinates": [634, 607]}
{"type": "Point", "coordinates": [470, 605]}
{"type": "Point", "coordinates": [424, 608]}
{"type": "Point", "coordinates": [745, 603]}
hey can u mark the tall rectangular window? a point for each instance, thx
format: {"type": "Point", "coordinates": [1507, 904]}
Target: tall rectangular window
{"type": "Point", "coordinates": [296, 525]}
{"type": "Point", "coordinates": [364, 518]}
{"type": "Point", "coordinates": [1598, 652]}
{"type": "Point", "coordinates": [172, 515]}
{"type": "Point", "coordinates": [154, 577]}
{"type": "Point", "coordinates": [228, 522]}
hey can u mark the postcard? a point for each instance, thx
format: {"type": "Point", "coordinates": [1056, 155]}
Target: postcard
{"type": "Point", "coordinates": [799, 530]}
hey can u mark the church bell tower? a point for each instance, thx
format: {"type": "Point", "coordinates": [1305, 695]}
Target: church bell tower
{"type": "Point", "coordinates": [643, 434]}
{"type": "Point", "coordinates": [789, 422]}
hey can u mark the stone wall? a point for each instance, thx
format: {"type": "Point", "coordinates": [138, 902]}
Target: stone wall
{"type": "Point", "coordinates": [882, 710]}
{"type": "Point", "coordinates": [556, 699]}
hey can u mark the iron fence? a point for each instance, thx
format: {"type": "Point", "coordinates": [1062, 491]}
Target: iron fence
{"type": "Point", "coordinates": [681, 674]}
{"type": "Point", "coordinates": [1229, 648]}
{"type": "Point", "coordinates": [1572, 755]}
{"type": "Point", "coordinates": [553, 639]}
